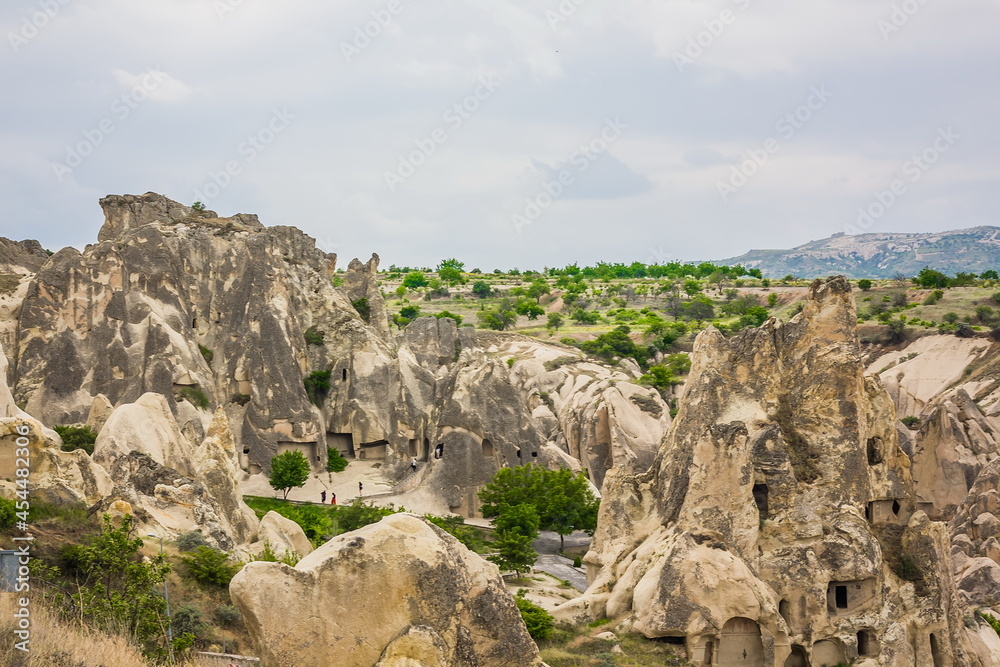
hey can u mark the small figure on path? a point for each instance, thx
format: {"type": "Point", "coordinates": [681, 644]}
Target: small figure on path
{"type": "Point", "coordinates": [413, 464]}
{"type": "Point", "coordinates": [322, 495]}
{"type": "Point", "coordinates": [361, 488]}
{"type": "Point", "coordinates": [438, 450]}
{"type": "Point", "coordinates": [333, 499]}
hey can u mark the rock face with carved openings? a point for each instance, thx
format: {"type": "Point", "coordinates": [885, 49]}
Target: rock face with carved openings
{"type": "Point", "coordinates": [777, 525]}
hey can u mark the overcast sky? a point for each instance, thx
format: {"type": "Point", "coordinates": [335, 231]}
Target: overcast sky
{"type": "Point", "coordinates": [507, 133]}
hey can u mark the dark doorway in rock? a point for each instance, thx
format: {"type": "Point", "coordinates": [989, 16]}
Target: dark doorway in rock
{"type": "Point", "coordinates": [487, 448]}
{"type": "Point", "coordinates": [709, 653]}
{"type": "Point", "coordinates": [343, 375]}
{"type": "Point", "coordinates": [868, 645]}
{"type": "Point", "coordinates": [797, 658]}
{"type": "Point", "coordinates": [411, 447]}
{"type": "Point", "coordinates": [936, 654]}
{"type": "Point", "coordinates": [426, 451]}
{"type": "Point", "coordinates": [896, 507]}
{"type": "Point", "coordinates": [840, 596]}
{"type": "Point", "coordinates": [874, 451]}
{"type": "Point", "coordinates": [760, 496]}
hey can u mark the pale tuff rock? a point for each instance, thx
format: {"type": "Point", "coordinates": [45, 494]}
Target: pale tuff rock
{"type": "Point", "coordinates": [55, 476]}
{"type": "Point", "coordinates": [776, 514]}
{"type": "Point", "coordinates": [956, 438]}
{"type": "Point", "coordinates": [599, 416]}
{"type": "Point", "coordinates": [361, 282]}
{"type": "Point", "coordinates": [172, 484]}
{"type": "Point", "coordinates": [282, 535]}
{"type": "Point", "coordinates": [975, 530]}
{"type": "Point", "coordinates": [397, 593]}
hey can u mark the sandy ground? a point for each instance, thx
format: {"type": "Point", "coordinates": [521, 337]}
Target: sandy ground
{"type": "Point", "coordinates": [377, 489]}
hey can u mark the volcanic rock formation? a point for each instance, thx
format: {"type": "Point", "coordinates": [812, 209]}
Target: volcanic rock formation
{"type": "Point", "coordinates": [777, 524]}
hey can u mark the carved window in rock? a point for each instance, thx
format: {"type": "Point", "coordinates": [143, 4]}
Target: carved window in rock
{"type": "Point", "coordinates": [760, 497]}
{"type": "Point", "coordinates": [875, 455]}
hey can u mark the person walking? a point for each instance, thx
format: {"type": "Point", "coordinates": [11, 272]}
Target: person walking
{"type": "Point", "coordinates": [413, 464]}
{"type": "Point", "coordinates": [333, 498]}
{"type": "Point", "coordinates": [322, 495]}
{"type": "Point", "coordinates": [361, 489]}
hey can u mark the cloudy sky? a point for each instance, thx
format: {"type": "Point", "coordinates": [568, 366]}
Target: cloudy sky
{"type": "Point", "coordinates": [507, 133]}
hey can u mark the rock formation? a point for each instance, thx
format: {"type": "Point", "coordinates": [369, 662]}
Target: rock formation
{"type": "Point", "coordinates": [397, 593]}
{"type": "Point", "coordinates": [777, 524]}
{"type": "Point", "coordinates": [224, 314]}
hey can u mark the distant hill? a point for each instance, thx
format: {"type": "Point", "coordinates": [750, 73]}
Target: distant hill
{"type": "Point", "coordinates": [881, 255]}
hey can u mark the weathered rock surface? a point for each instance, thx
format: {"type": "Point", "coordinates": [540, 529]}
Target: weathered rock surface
{"type": "Point", "coordinates": [399, 592]}
{"type": "Point", "coordinates": [282, 535]}
{"type": "Point", "coordinates": [777, 514]}
{"type": "Point", "coordinates": [975, 529]}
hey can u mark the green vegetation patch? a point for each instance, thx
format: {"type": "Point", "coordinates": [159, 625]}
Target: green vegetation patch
{"type": "Point", "coordinates": [9, 283]}
{"type": "Point", "coordinates": [77, 437]}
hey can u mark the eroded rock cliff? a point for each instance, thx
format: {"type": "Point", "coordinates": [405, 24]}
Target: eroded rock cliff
{"type": "Point", "coordinates": [778, 522]}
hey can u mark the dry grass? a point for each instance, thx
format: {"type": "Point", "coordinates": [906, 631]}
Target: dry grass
{"type": "Point", "coordinates": [55, 643]}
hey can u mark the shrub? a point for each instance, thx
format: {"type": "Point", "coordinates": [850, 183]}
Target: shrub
{"type": "Point", "coordinates": [963, 330]}
{"type": "Point", "coordinates": [933, 297]}
{"type": "Point", "coordinates": [538, 620]}
{"type": "Point", "coordinates": [210, 567]}
{"type": "Point", "coordinates": [445, 314]}
{"type": "Point", "coordinates": [864, 284]}
{"type": "Point", "coordinates": [190, 541]}
{"type": "Point", "coordinates": [910, 422]}
{"type": "Point", "coordinates": [77, 437]}
{"type": "Point", "coordinates": [207, 354]}
{"type": "Point", "coordinates": [227, 615]}
{"type": "Point", "coordinates": [950, 318]}
{"type": "Point", "coordinates": [559, 362]}
{"type": "Point", "coordinates": [993, 622]}
{"type": "Point", "coordinates": [314, 336]}
{"type": "Point", "coordinates": [187, 620]}
{"type": "Point", "coordinates": [195, 396]}
{"type": "Point", "coordinates": [363, 308]}
{"type": "Point", "coordinates": [317, 386]}
{"type": "Point", "coordinates": [335, 461]}
{"type": "Point", "coordinates": [269, 555]}
{"type": "Point", "coordinates": [8, 513]}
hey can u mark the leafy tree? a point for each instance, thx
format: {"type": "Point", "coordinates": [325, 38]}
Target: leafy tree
{"type": "Point", "coordinates": [198, 206]}
{"type": "Point", "coordinates": [615, 343]}
{"type": "Point", "coordinates": [699, 308]}
{"type": "Point", "coordinates": [409, 313]}
{"type": "Point", "coordinates": [499, 318]}
{"type": "Point", "coordinates": [514, 551]}
{"type": "Point", "coordinates": [288, 470]}
{"type": "Point", "coordinates": [963, 330]}
{"type": "Point", "coordinates": [984, 314]}
{"type": "Point", "coordinates": [929, 278]}
{"type": "Point", "coordinates": [692, 287]}
{"type": "Point", "coordinates": [190, 541]}
{"type": "Point", "coordinates": [755, 316]}
{"type": "Point", "coordinates": [554, 321]}
{"type": "Point", "coordinates": [864, 284]}
{"type": "Point", "coordinates": [77, 437]}
{"type": "Point", "coordinates": [415, 280]}
{"type": "Point", "coordinates": [451, 275]}
{"type": "Point", "coordinates": [335, 461]}
{"type": "Point", "coordinates": [772, 301]}
{"type": "Point", "coordinates": [363, 307]}
{"type": "Point", "coordinates": [989, 274]}
{"type": "Point", "coordinates": [896, 331]}
{"type": "Point", "coordinates": [563, 500]}
{"type": "Point", "coordinates": [453, 264]}
{"type": "Point", "coordinates": [950, 318]}
{"type": "Point", "coordinates": [581, 316]}
{"type": "Point", "coordinates": [108, 585]}
{"type": "Point", "coordinates": [529, 308]}
{"type": "Point", "coordinates": [933, 297]}
{"type": "Point", "coordinates": [482, 289]}
{"type": "Point", "coordinates": [537, 289]}
{"type": "Point", "coordinates": [445, 314]}
{"type": "Point", "coordinates": [210, 567]}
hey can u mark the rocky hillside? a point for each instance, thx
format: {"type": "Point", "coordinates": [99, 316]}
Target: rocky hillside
{"type": "Point", "coordinates": [179, 327]}
{"type": "Point", "coordinates": [881, 255]}
{"type": "Point", "coordinates": [780, 523]}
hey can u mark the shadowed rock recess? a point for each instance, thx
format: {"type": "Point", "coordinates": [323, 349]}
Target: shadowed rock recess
{"type": "Point", "coordinates": [777, 525]}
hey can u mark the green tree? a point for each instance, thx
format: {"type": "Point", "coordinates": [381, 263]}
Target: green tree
{"type": "Point", "coordinates": [288, 470]}
{"type": "Point", "coordinates": [364, 309]}
{"type": "Point", "coordinates": [445, 314]}
{"type": "Point", "coordinates": [929, 278]}
{"type": "Point", "coordinates": [210, 567]}
{"type": "Point", "coordinates": [335, 461]}
{"type": "Point", "coordinates": [692, 287]}
{"type": "Point", "coordinates": [950, 318]}
{"type": "Point", "coordinates": [77, 437]}
{"type": "Point", "coordinates": [499, 318]}
{"type": "Point", "coordinates": [864, 284]}
{"type": "Point", "coordinates": [989, 274]}
{"type": "Point", "coordinates": [482, 289]}
{"type": "Point", "coordinates": [317, 386]}
{"type": "Point", "coordinates": [514, 551]}
{"type": "Point", "coordinates": [529, 308]}
{"type": "Point", "coordinates": [616, 343]}
{"type": "Point", "coordinates": [415, 280]}
{"type": "Point", "coordinates": [453, 264]}
{"type": "Point", "coordinates": [451, 275]}
{"type": "Point", "coordinates": [563, 500]}
{"type": "Point", "coordinates": [538, 621]}
{"type": "Point", "coordinates": [554, 321]}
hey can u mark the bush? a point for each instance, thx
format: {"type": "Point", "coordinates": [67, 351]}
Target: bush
{"type": "Point", "coordinates": [8, 513]}
{"type": "Point", "coordinates": [317, 386]}
{"type": "Point", "coordinates": [269, 555]}
{"type": "Point", "coordinates": [188, 620]}
{"type": "Point", "coordinates": [363, 308]}
{"type": "Point", "coordinates": [9, 283]}
{"type": "Point", "coordinates": [910, 422]}
{"type": "Point", "coordinates": [538, 620]}
{"type": "Point", "coordinates": [993, 622]}
{"type": "Point", "coordinates": [190, 541]}
{"type": "Point", "coordinates": [963, 330]}
{"type": "Point", "coordinates": [207, 354]}
{"type": "Point", "coordinates": [227, 615]}
{"type": "Point", "coordinates": [210, 567]}
{"type": "Point", "coordinates": [335, 461]}
{"type": "Point", "coordinates": [445, 314]}
{"type": "Point", "coordinates": [195, 396]}
{"type": "Point", "coordinates": [933, 297]}
{"type": "Point", "coordinates": [314, 336]}
{"type": "Point", "coordinates": [864, 284]}
{"type": "Point", "coordinates": [77, 437]}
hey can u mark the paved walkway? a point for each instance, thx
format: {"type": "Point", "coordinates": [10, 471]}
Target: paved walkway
{"type": "Point", "coordinates": [561, 567]}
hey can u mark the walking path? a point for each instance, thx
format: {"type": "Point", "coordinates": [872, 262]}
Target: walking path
{"type": "Point", "coordinates": [561, 567]}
